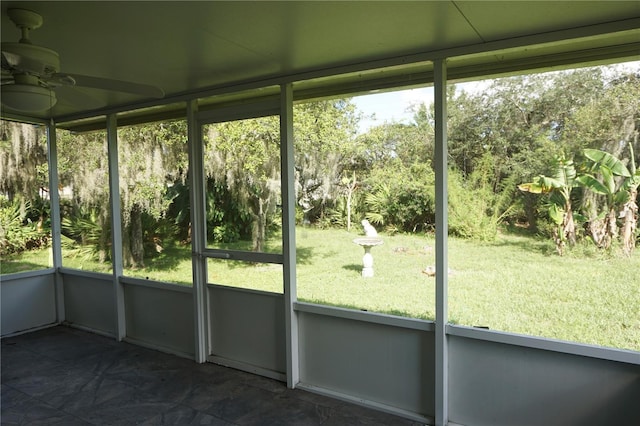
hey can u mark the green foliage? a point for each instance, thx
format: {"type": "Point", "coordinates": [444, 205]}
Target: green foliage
{"type": "Point", "coordinates": [334, 216]}
{"type": "Point", "coordinates": [244, 155]}
{"type": "Point", "coordinates": [324, 151]}
{"type": "Point", "coordinates": [85, 234]}
{"type": "Point", "coordinates": [179, 210]}
{"type": "Point", "coordinates": [512, 132]}
{"type": "Point", "coordinates": [469, 203]}
{"type": "Point", "coordinates": [601, 175]}
{"type": "Point", "coordinates": [17, 232]}
{"type": "Point", "coordinates": [400, 197]}
{"type": "Point", "coordinates": [83, 229]}
{"type": "Point", "coordinates": [228, 219]}
{"type": "Point", "coordinates": [23, 160]}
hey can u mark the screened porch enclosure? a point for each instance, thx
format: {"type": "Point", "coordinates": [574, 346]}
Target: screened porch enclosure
{"type": "Point", "coordinates": [427, 371]}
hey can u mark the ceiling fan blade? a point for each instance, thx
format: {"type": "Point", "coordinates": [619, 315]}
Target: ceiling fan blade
{"type": "Point", "coordinates": [6, 65]}
{"type": "Point", "coordinates": [6, 72]}
{"type": "Point", "coordinates": [10, 59]}
{"type": "Point", "coordinates": [109, 84]}
{"type": "Point", "coordinates": [75, 97]}
{"type": "Point", "coordinates": [29, 58]}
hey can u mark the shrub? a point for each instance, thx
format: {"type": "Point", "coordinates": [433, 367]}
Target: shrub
{"type": "Point", "coordinates": [84, 236]}
{"type": "Point", "coordinates": [402, 198]}
{"type": "Point", "coordinates": [469, 209]}
{"type": "Point", "coordinates": [17, 232]}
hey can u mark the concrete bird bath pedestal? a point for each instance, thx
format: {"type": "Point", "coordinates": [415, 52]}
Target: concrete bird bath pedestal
{"type": "Point", "coordinates": [367, 259]}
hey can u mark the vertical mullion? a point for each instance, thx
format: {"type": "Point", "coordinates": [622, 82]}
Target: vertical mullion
{"type": "Point", "coordinates": [289, 232]}
{"type": "Point", "coordinates": [56, 234]}
{"type": "Point", "coordinates": [198, 231]}
{"type": "Point", "coordinates": [442, 365]}
{"type": "Point", "coordinates": [116, 225]}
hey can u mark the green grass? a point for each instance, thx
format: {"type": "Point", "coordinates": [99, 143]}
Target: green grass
{"type": "Point", "coordinates": [27, 261]}
{"type": "Point", "coordinates": [516, 283]}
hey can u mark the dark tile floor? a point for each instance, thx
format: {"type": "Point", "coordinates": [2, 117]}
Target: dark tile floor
{"type": "Point", "coordinates": [64, 376]}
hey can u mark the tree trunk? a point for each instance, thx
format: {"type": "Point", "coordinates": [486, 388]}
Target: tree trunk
{"type": "Point", "coordinates": [136, 237]}
{"type": "Point", "coordinates": [570, 226]}
{"type": "Point", "coordinates": [530, 203]}
{"type": "Point", "coordinates": [351, 187]}
{"type": "Point", "coordinates": [349, 211]}
{"type": "Point", "coordinates": [629, 214]}
{"type": "Point", "coordinates": [597, 229]}
{"type": "Point", "coordinates": [565, 231]}
{"type": "Point", "coordinates": [612, 227]}
{"type": "Point", "coordinates": [604, 231]}
{"type": "Point", "coordinates": [259, 226]}
{"type": "Point", "coordinates": [127, 258]}
{"type": "Point", "coordinates": [132, 243]}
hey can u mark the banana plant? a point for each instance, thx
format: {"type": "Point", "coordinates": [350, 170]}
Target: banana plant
{"type": "Point", "coordinates": [559, 188]}
{"type": "Point", "coordinates": [607, 176]}
{"type": "Point", "coordinates": [629, 211]}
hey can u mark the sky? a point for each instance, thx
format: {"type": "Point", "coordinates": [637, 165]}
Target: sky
{"type": "Point", "coordinates": [395, 106]}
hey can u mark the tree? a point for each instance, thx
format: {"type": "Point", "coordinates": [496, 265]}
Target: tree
{"type": "Point", "coordinates": [244, 155]}
{"type": "Point", "coordinates": [600, 178]}
{"type": "Point", "coordinates": [325, 152]}
{"type": "Point", "coordinates": [608, 119]}
{"type": "Point", "coordinates": [396, 173]}
{"type": "Point", "coordinates": [629, 211]}
{"type": "Point", "coordinates": [84, 170]}
{"type": "Point", "coordinates": [521, 122]}
{"type": "Point", "coordinates": [349, 185]}
{"type": "Point", "coordinates": [23, 161]}
{"type": "Point", "coordinates": [610, 122]}
{"type": "Point", "coordinates": [151, 157]}
{"type": "Point", "coordinates": [24, 201]}
{"type": "Point", "coordinates": [620, 197]}
{"type": "Point", "coordinates": [559, 187]}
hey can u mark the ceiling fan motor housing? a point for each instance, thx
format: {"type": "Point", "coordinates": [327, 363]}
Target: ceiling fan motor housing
{"type": "Point", "coordinates": [28, 97]}
{"type": "Point", "coordinates": [24, 18]}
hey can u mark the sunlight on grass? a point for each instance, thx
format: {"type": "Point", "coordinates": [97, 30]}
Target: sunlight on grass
{"type": "Point", "coordinates": [520, 286]}
{"type": "Point", "coordinates": [516, 284]}
{"type": "Point", "coordinates": [329, 272]}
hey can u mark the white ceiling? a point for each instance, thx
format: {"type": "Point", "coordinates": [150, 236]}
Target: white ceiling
{"type": "Point", "coordinates": [183, 47]}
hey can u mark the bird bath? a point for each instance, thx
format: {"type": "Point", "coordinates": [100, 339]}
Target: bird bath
{"type": "Point", "coordinates": [367, 259]}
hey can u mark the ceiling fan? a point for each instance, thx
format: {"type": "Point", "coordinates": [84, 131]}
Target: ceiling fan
{"type": "Point", "coordinates": [31, 73]}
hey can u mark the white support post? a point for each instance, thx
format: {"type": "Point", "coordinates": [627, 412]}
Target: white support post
{"type": "Point", "coordinates": [56, 234]}
{"type": "Point", "coordinates": [289, 232]}
{"type": "Point", "coordinates": [441, 169]}
{"type": "Point", "coordinates": [198, 232]}
{"type": "Point", "coordinates": [116, 226]}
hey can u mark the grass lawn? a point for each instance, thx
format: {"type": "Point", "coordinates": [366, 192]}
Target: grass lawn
{"type": "Point", "coordinates": [515, 284]}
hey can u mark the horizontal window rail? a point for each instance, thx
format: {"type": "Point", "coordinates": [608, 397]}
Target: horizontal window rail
{"type": "Point", "coordinates": [26, 274]}
{"type": "Point", "coordinates": [247, 256]}
{"type": "Point", "coordinates": [573, 348]}
{"type": "Point", "coordinates": [156, 284]}
{"type": "Point", "coordinates": [86, 274]}
{"type": "Point", "coordinates": [214, 286]}
{"type": "Point", "coordinates": [365, 316]}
